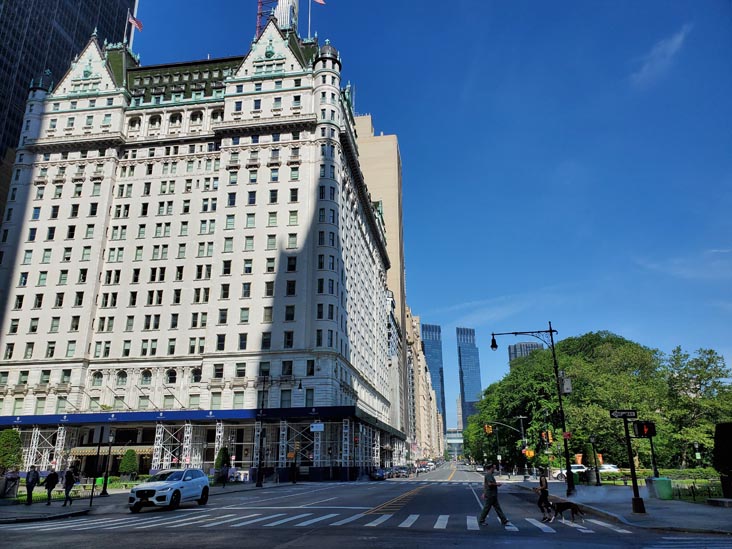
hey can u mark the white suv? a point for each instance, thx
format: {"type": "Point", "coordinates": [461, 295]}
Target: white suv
{"type": "Point", "coordinates": [578, 468]}
{"type": "Point", "coordinates": [169, 488]}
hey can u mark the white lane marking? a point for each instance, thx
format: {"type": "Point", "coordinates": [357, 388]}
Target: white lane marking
{"type": "Point", "coordinates": [127, 523]}
{"type": "Point", "coordinates": [382, 518]}
{"type": "Point", "coordinates": [509, 526]}
{"type": "Point", "coordinates": [70, 524]}
{"type": "Point", "coordinates": [314, 502]}
{"type": "Point", "coordinates": [441, 522]}
{"type": "Point", "coordinates": [606, 525]}
{"type": "Point", "coordinates": [107, 522]}
{"type": "Point", "coordinates": [409, 521]}
{"type": "Point", "coordinates": [580, 528]}
{"type": "Point", "coordinates": [260, 519]}
{"type": "Point", "coordinates": [541, 526]}
{"type": "Point", "coordinates": [288, 519]}
{"type": "Point", "coordinates": [237, 517]}
{"type": "Point", "coordinates": [472, 523]}
{"type": "Point", "coordinates": [257, 507]}
{"type": "Point", "coordinates": [347, 520]}
{"type": "Point", "coordinates": [168, 524]}
{"type": "Point", "coordinates": [317, 519]}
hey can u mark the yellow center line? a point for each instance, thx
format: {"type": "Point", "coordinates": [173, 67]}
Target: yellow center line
{"type": "Point", "coordinates": [395, 502]}
{"type": "Point", "coordinates": [451, 475]}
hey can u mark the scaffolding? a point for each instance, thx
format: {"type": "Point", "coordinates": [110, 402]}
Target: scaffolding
{"type": "Point", "coordinates": [39, 450]}
{"type": "Point", "coordinates": [168, 446]}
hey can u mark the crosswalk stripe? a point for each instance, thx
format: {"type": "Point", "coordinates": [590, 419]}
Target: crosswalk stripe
{"type": "Point", "coordinates": [472, 523]}
{"type": "Point", "coordinates": [582, 529]}
{"type": "Point", "coordinates": [100, 524]}
{"type": "Point", "coordinates": [260, 519]}
{"type": "Point", "coordinates": [317, 519]}
{"type": "Point", "coordinates": [136, 522]}
{"type": "Point", "coordinates": [613, 528]}
{"type": "Point", "coordinates": [347, 520]}
{"type": "Point", "coordinates": [382, 518]}
{"type": "Point", "coordinates": [168, 523]}
{"type": "Point", "coordinates": [541, 526]}
{"type": "Point", "coordinates": [509, 527]}
{"type": "Point", "coordinates": [288, 519]}
{"type": "Point", "coordinates": [441, 522]}
{"type": "Point", "coordinates": [409, 521]}
{"type": "Point", "coordinates": [65, 525]}
{"type": "Point", "coordinates": [236, 517]}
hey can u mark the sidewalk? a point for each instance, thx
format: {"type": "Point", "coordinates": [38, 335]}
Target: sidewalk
{"type": "Point", "coordinates": [116, 502]}
{"type": "Point", "coordinates": [615, 503]}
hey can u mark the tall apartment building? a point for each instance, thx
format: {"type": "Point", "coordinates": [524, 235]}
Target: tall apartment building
{"type": "Point", "coordinates": [469, 364]}
{"type": "Point", "coordinates": [432, 341]}
{"type": "Point", "coordinates": [524, 348]}
{"type": "Point", "coordinates": [38, 40]}
{"type": "Point", "coordinates": [382, 168]}
{"type": "Point", "coordinates": [192, 256]}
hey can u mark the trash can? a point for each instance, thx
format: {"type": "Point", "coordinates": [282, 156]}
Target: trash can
{"type": "Point", "coordinates": [660, 488]}
{"type": "Point", "coordinates": [576, 478]}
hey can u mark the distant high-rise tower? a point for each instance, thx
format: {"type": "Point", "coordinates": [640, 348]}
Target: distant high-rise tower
{"type": "Point", "coordinates": [36, 37]}
{"type": "Point", "coordinates": [459, 414]}
{"type": "Point", "coordinates": [469, 361]}
{"type": "Point", "coordinates": [432, 339]}
{"type": "Point", "coordinates": [524, 348]}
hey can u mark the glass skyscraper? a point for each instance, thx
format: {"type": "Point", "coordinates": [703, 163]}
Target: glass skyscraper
{"type": "Point", "coordinates": [432, 340]}
{"type": "Point", "coordinates": [469, 362]}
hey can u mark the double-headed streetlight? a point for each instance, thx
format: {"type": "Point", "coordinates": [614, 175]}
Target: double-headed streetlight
{"type": "Point", "coordinates": [547, 336]}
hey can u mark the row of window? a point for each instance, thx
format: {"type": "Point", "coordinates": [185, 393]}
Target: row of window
{"type": "Point", "coordinates": [196, 345]}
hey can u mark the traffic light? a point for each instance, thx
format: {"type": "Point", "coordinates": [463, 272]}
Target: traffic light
{"type": "Point", "coordinates": [488, 429]}
{"type": "Point", "coordinates": [355, 440]}
{"type": "Point", "coordinates": [551, 438]}
{"type": "Point", "coordinates": [644, 429]}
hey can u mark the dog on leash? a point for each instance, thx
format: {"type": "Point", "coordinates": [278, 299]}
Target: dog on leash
{"type": "Point", "coordinates": [559, 508]}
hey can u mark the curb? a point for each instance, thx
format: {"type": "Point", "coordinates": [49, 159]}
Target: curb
{"type": "Point", "coordinates": [18, 520]}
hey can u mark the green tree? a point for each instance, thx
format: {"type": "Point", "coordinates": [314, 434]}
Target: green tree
{"type": "Point", "coordinates": [128, 465]}
{"type": "Point", "coordinates": [11, 450]}
{"type": "Point", "coordinates": [223, 459]}
{"type": "Point", "coordinates": [697, 399]}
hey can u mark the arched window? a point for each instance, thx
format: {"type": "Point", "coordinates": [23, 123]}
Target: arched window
{"type": "Point", "coordinates": [196, 375]}
{"type": "Point", "coordinates": [171, 376]}
{"type": "Point", "coordinates": [217, 115]}
{"type": "Point", "coordinates": [155, 121]}
{"type": "Point", "coordinates": [146, 377]}
{"type": "Point", "coordinates": [121, 378]}
{"type": "Point", "coordinates": [197, 117]}
{"type": "Point", "coordinates": [176, 119]}
{"type": "Point", "coordinates": [97, 379]}
{"type": "Point", "coordinates": [135, 123]}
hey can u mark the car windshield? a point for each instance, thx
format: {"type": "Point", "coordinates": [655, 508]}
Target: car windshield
{"type": "Point", "coordinates": [166, 476]}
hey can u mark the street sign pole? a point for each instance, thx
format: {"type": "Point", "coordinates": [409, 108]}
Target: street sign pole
{"type": "Point", "coordinates": [638, 506]}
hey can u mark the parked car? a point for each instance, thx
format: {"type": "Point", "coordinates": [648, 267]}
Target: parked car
{"type": "Point", "coordinates": [579, 468]}
{"type": "Point", "coordinates": [378, 474]}
{"type": "Point", "coordinates": [609, 468]}
{"type": "Point", "coordinates": [169, 488]}
{"type": "Point", "coordinates": [478, 468]}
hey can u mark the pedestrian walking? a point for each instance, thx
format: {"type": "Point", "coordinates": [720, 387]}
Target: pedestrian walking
{"type": "Point", "coordinates": [490, 494]}
{"type": "Point", "coordinates": [69, 481]}
{"type": "Point", "coordinates": [224, 475]}
{"type": "Point", "coordinates": [50, 483]}
{"type": "Point", "coordinates": [293, 472]}
{"type": "Point", "coordinates": [32, 478]}
{"type": "Point", "coordinates": [543, 491]}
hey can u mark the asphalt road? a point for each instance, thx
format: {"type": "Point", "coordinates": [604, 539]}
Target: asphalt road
{"type": "Point", "coordinates": [438, 509]}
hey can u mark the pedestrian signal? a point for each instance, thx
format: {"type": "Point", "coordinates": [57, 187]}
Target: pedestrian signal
{"type": "Point", "coordinates": [644, 429]}
{"type": "Point", "coordinates": [488, 429]}
{"type": "Point", "coordinates": [551, 438]}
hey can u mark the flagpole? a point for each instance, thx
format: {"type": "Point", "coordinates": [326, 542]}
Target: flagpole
{"type": "Point", "coordinates": [127, 22]}
{"type": "Point", "coordinates": [310, 6]}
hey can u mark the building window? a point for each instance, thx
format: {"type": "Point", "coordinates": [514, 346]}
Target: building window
{"type": "Point", "coordinates": [309, 397]}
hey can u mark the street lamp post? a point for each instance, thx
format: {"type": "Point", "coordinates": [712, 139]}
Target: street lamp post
{"type": "Point", "coordinates": [541, 335]}
{"type": "Point", "coordinates": [597, 469]}
{"type": "Point", "coordinates": [523, 447]}
{"type": "Point", "coordinates": [109, 462]}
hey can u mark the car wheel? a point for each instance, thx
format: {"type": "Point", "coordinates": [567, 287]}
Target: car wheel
{"type": "Point", "coordinates": [204, 496]}
{"type": "Point", "coordinates": [135, 508]}
{"type": "Point", "coordinates": [174, 501]}
{"type": "Point", "coordinates": [561, 477]}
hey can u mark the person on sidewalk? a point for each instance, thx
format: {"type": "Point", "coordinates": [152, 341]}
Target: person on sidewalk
{"type": "Point", "coordinates": [32, 478]}
{"type": "Point", "coordinates": [50, 483]}
{"type": "Point", "coordinates": [69, 481]}
{"type": "Point", "coordinates": [543, 491]}
{"type": "Point", "coordinates": [490, 495]}
{"type": "Point", "coordinates": [224, 475]}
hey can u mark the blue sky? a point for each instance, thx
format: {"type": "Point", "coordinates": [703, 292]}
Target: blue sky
{"type": "Point", "coordinates": [565, 161]}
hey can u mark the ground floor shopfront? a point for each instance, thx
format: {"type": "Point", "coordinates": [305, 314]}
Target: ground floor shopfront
{"type": "Point", "coordinates": [323, 443]}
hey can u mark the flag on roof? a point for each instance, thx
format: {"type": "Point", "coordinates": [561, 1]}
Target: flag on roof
{"type": "Point", "coordinates": [135, 22]}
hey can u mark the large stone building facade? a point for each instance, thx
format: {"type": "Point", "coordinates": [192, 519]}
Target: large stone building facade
{"type": "Point", "coordinates": [191, 255]}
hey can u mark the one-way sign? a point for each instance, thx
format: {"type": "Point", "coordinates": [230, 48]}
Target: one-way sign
{"type": "Point", "coordinates": [624, 413]}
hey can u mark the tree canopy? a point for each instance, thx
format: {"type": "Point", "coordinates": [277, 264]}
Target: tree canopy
{"type": "Point", "coordinates": [684, 395]}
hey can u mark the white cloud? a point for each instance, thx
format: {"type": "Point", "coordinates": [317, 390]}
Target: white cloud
{"type": "Point", "coordinates": [713, 264]}
{"type": "Point", "coordinates": [656, 62]}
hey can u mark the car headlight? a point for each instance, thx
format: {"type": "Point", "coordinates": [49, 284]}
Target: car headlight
{"type": "Point", "coordinates": [166, 489]}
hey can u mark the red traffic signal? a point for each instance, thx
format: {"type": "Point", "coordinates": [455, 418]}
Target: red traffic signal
{"type": "Point", "coordinates": [644, 429]}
